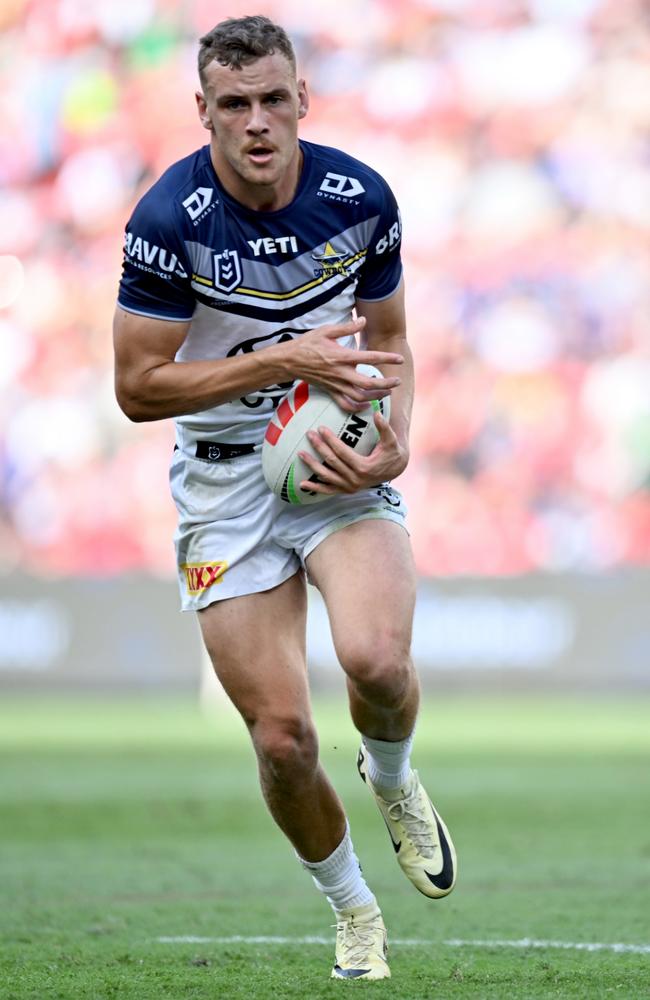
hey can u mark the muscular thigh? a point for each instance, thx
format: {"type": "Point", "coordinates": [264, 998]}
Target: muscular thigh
{"type": "Point", "coordinates": [257, 646]}
{"type": "Point", "coordinates": [366, 575]}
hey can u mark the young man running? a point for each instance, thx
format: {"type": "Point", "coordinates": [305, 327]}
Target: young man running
{"type": "Point", "coordinates": [253, 262]}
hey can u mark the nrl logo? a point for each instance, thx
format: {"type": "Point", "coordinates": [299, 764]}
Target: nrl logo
{"type": "Point", "coordinates": [227, 271]}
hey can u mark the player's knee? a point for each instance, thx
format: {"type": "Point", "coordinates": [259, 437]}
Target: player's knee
{"type": "Point", "coordinates": [287, 745]}
{"type": "Point", "coordinates": [379, 667]}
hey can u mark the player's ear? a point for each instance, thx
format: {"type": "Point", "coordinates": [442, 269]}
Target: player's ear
{"type": "Point", "coordinates": [202, 108]}
{"type": "Point", "coordinates": [303, 99]}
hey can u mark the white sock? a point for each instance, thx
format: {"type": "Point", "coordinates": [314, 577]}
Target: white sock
{"type": "Point", "coordinates": [339, 876]}
{"type": "Point", "coordinates": [389, 764]}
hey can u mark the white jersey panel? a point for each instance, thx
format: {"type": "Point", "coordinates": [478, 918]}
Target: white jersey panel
{"type": "Point", "coordinates": [247, 280]}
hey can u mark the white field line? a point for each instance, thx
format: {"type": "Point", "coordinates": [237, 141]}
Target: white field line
{"type": "Point", "coordinates": [617, 947]}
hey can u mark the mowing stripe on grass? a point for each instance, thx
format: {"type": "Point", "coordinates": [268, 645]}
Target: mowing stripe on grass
{"type": "Point", "coordinates": [615, 946]}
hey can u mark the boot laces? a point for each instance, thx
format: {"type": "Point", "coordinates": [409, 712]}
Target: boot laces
{"type": "Point", "coordinates": [413, 814]}
{"type": "Point", "coordinates": [356, 941]}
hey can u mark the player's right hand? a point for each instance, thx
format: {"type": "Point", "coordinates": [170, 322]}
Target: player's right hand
{"type": "Point", "coordinates": [318, 358]}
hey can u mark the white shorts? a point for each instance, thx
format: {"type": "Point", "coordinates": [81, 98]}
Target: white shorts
{"type": "Point", "coordinates": [235, 537]}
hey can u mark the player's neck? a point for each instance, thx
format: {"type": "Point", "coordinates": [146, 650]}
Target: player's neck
{"type": "Point", "coordinates": [259, 197]}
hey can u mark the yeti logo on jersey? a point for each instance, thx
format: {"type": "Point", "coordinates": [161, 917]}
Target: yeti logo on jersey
{"type": "Point", "coordinates": [197, 203]}
{"type": "Point", "coordinates": [227, 271]}
{"type": "Point", "coordinates": [279, 244]}
{"type": "Point", "coordinates": [340, 188]}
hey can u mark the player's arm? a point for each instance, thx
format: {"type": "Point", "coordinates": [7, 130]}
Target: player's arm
{"type": "Point", "coordinates": [386, 331]}
{"type": "Point", "coordinates": [341, 469]}
{"type": "Point", "coordinates": [151, 385]}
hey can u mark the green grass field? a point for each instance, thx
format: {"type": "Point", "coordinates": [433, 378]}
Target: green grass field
{"type": "Point", "coordinates": [122, 823]}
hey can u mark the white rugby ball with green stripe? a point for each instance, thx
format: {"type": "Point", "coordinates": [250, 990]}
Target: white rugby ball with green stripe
{"type": "Point", "coordinates": [304, 408]}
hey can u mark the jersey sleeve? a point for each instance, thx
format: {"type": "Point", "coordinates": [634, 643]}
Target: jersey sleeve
{"type": "Point", "coordinates": [155, 270]}
{"type": "Point", "coordinates": [382, 270]}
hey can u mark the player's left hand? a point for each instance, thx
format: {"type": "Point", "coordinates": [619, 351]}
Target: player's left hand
{"type": "Point", "coordinates": [341, 470]}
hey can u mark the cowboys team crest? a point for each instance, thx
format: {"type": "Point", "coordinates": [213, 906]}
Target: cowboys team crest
{"type": "Point", "coordinates": [227, 271]}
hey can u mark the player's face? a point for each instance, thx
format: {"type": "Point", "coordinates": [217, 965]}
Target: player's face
{"type": "Point", "coordinates": [253, 114]}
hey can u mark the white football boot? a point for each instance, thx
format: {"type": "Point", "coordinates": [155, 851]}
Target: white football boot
{"type": "Point", "coordinates": [420, 839]}
{"type": "Point", "coordinates": [361, 944]}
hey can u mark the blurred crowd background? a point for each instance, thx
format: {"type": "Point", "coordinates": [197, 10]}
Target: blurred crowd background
{"type": "Point", "coordinates": [515, 136]}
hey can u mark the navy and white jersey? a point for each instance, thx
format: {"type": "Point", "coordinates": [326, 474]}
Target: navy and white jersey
{"type": "Point", "coordinates": [247, 279]}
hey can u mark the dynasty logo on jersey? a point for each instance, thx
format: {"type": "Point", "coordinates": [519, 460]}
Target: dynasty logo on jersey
{"type": "Point", "coordinates": [197, 204]}
{"type": "Point", "coordinates": [340, 188]}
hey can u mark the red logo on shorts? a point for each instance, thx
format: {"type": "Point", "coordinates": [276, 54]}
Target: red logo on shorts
{"type": "Point", "coordinates": [201, 576]}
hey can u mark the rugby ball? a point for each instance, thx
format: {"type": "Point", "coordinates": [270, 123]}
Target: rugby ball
{"type": "Point", "coordinates": [306, 407]}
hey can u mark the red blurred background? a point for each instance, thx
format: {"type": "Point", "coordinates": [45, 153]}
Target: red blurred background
{"type": "Point", "coordinates": [515, 136]}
